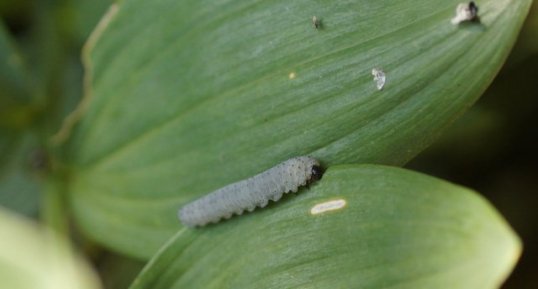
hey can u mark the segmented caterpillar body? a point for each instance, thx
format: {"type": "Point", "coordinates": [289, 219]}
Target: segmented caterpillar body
{"type": "Point", "coordinates": [252, 192]}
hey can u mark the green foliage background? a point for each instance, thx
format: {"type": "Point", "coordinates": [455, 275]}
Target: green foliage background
{"type": "Point", "coordinates": [183, 97]}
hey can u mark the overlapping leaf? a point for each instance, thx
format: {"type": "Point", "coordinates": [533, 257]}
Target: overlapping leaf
{"type": "Point", "coordinates": [397, 229]}
{"type": "Point", "coordinates": [187, 96]}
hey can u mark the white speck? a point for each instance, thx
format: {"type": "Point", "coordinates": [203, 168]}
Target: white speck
{"type": "Point", "coordinates": [292, 75]}
{"type": "Point", "coordinates": [328, 206]}
{"type": "Point", "coordinates": [379, 78]}
{"type": "Point", "coordinates": [316, 22]}
{"type": "Point", "coordinates": [465, 12]}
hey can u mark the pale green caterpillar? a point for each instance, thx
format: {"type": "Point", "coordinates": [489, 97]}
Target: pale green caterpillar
{"type": "Point", "coordinates": [252, 192]}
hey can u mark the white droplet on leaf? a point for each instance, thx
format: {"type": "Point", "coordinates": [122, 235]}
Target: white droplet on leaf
{"type": "Point", "coordinates": [328, 206]}
{"type": "Point", "coordinates": [465, 12]}
{"type": "Point", "coordinates": [316, 22]}
{"type": "Point", "coordinates": [379, 78]}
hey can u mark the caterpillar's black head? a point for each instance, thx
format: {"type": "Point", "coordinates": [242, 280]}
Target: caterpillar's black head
{"type": "Point", "coordinates": [317, 173]}
{"type": "Point", "coordinates": [473, 7]}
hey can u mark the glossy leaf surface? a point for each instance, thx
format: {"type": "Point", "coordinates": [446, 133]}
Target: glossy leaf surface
{"type": "Point", "coordinates": [185, 97]}
{"type": "Point", "coordinates": [381, 227]}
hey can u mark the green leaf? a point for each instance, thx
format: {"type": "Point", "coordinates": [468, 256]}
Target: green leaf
{"type": "Point", "coordinates": [398, 229]}
{"type": "Point", "coordinates": [188, 96]}
{"type": "Point", "coordinates": [19, 189]}
{"type": "Point", "coordinates": [34, 258]}
{"type": "Point", "coordinates": [19, 183]}
{"type": "Point", "coordinates": [15, 93]}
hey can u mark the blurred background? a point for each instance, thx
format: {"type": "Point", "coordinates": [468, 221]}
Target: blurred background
{"type": "Point", "coordinates": [493, 148]}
